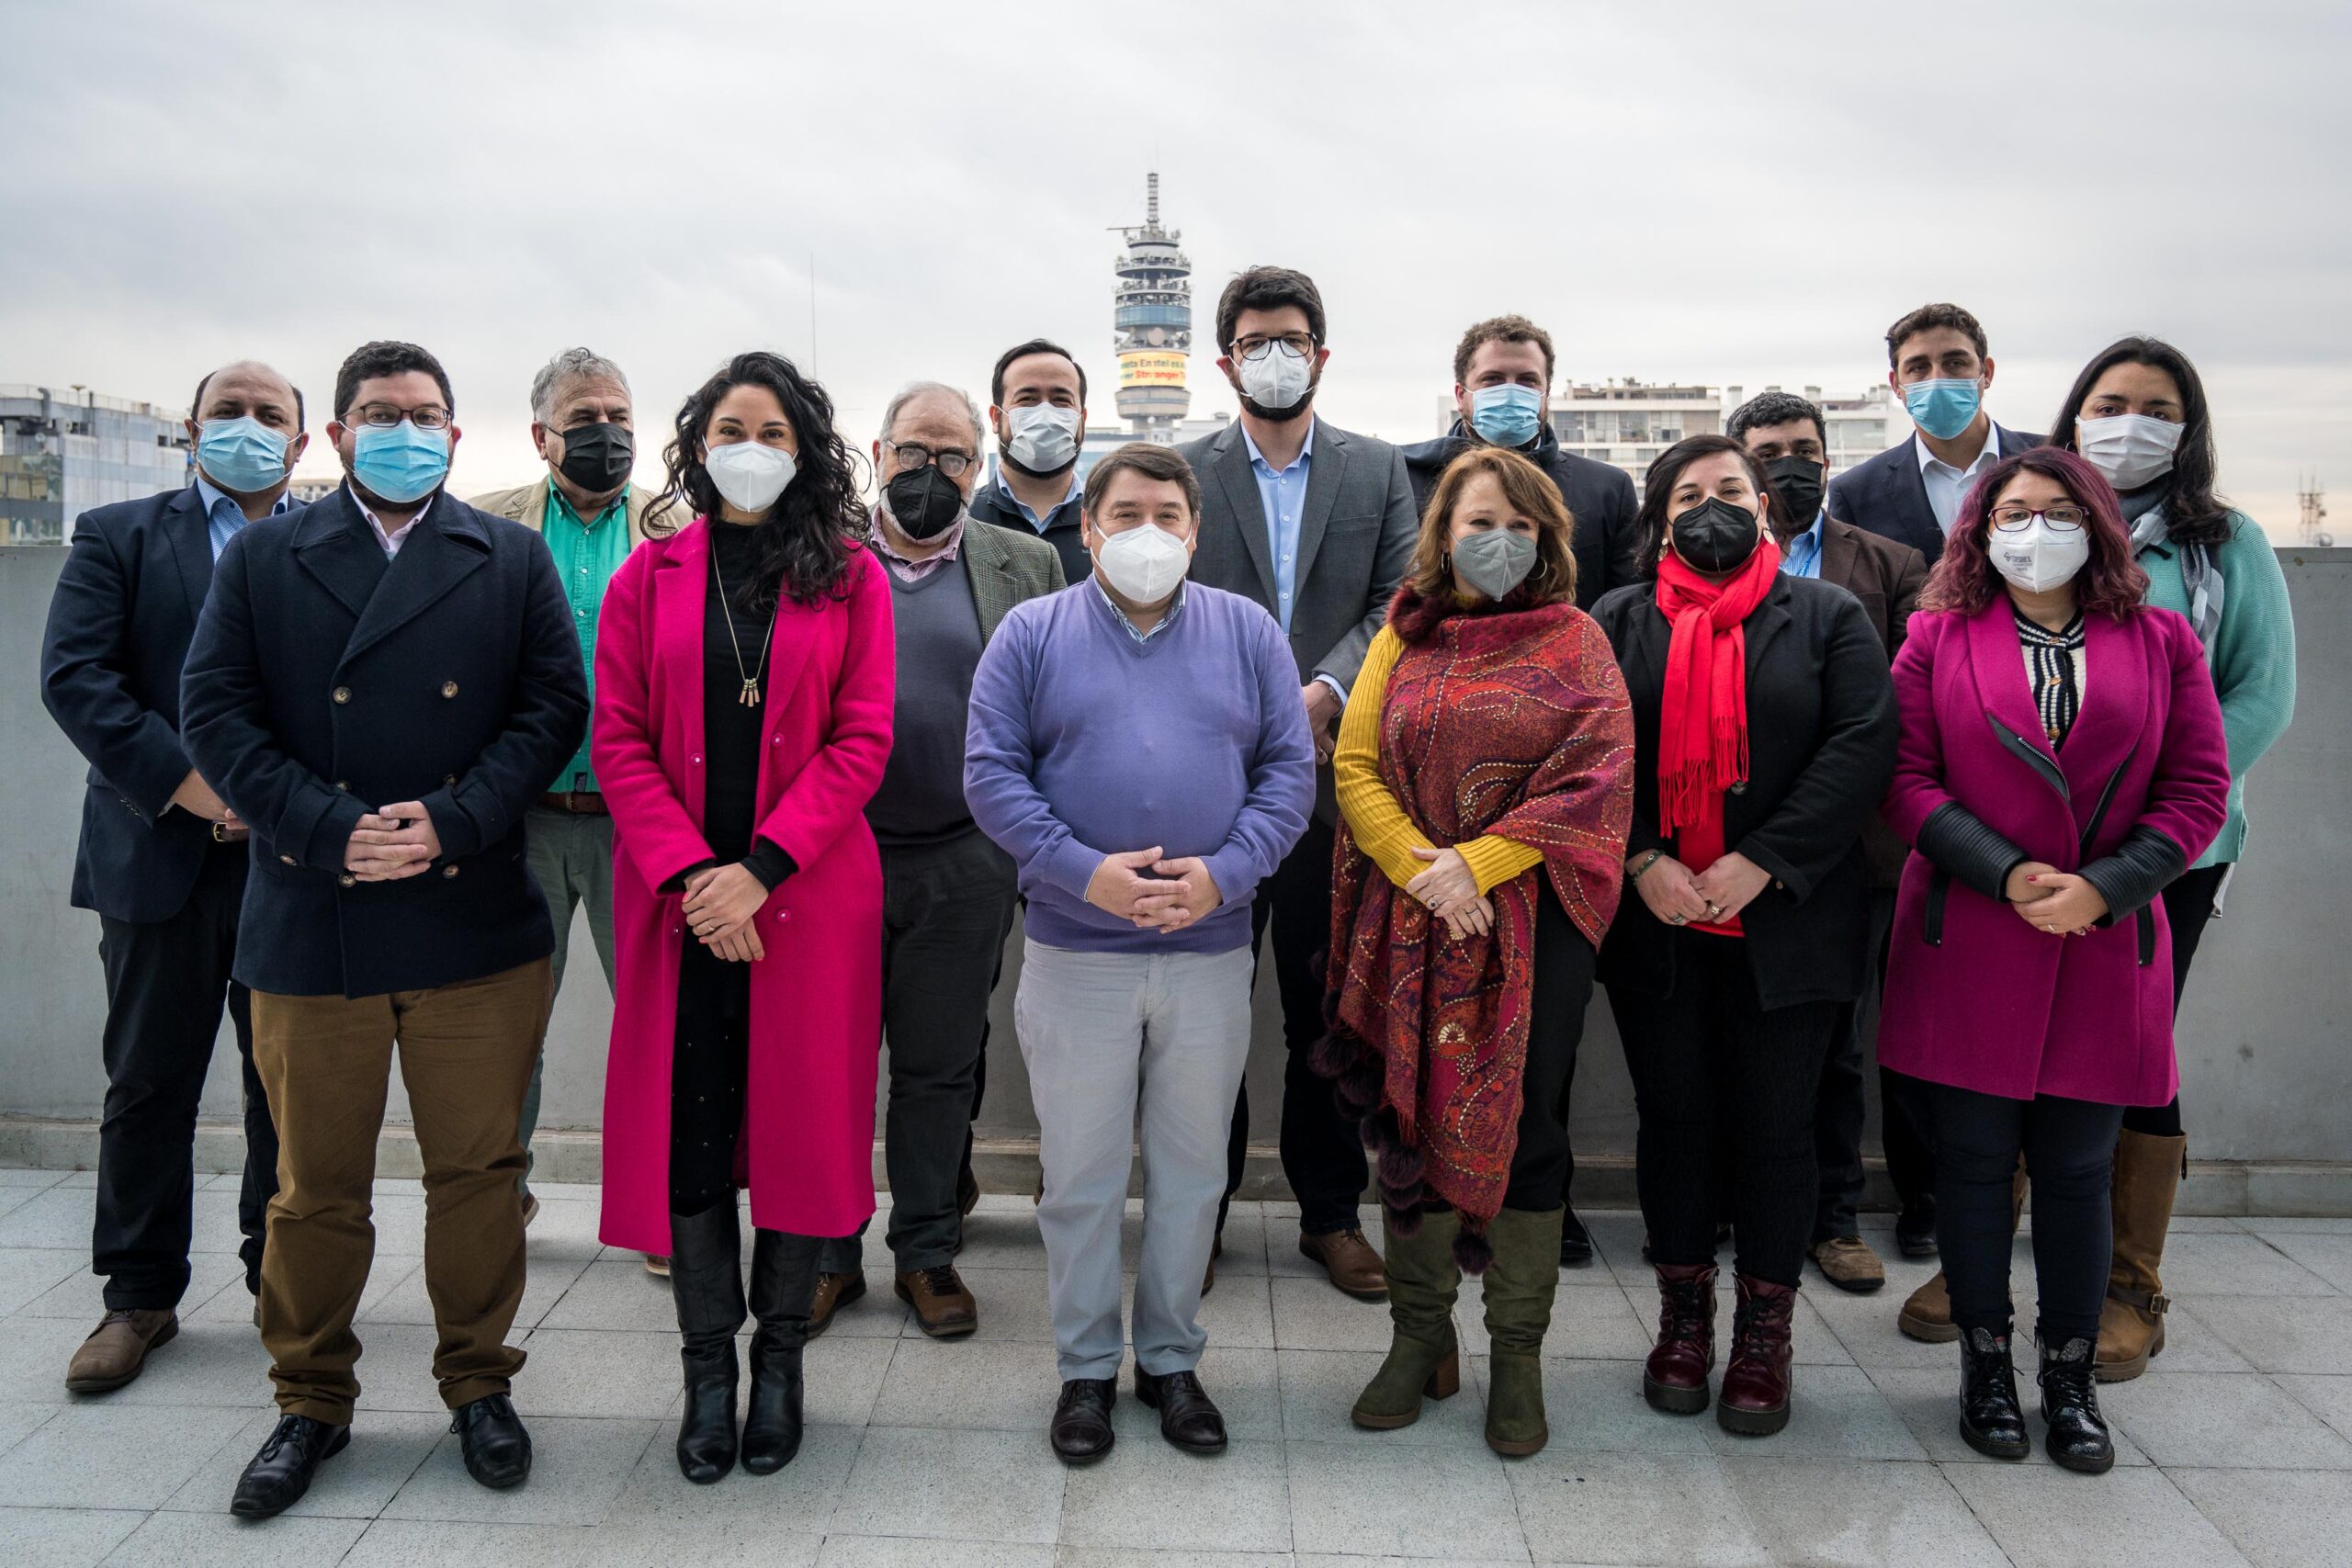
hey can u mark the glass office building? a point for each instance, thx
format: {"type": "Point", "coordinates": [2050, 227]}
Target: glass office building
{"type": "Point", "coordinates": [64, 452]}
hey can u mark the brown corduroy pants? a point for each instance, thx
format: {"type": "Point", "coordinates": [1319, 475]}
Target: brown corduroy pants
{"type": "Point", "coordinates": [466, 1055]}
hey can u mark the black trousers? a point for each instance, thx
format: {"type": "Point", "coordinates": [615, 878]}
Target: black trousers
{"type": "Point", "coordinates": [2189, 909]}
{"type": "Point", "coordinates": [1707, 1059]}
{"type": "Point", "coordinates": [166, 983]}
{"type": "Point", "coordinates": [709, 1074]}
{"type": "Point", "coordinates": [1322, 1151]}
{"type": "Point", "coordinates": [2069, 1148]}
{"type": "Point", "coordinates": [1838, 1114]}
{"type": "Point", "coordinates": [1563, 990]}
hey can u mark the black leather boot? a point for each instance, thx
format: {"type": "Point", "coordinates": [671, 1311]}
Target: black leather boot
{"type": "Point", "coordinates": [707, 1284]}
{"type": "Point", "coordinates": [1990, 1418]}
{"type": "Point", "coordinates": [2078, 1437]}
{"type": "Point", "coordinates": [784, 1284]}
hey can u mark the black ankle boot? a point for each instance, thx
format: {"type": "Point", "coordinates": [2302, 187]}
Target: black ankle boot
{"type": "Point", "coordinates": [784, 1283]}
{"type": "Point", "coordinates": [2078, 1437]}
{"type": "Point", "coordinates": [707, 1284]}
{"type": "Point", "coordinates": [1990, 1418]}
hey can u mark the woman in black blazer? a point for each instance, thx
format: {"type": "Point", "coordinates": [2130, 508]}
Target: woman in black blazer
{"type": "Point", "coordinates": [1764, 732]}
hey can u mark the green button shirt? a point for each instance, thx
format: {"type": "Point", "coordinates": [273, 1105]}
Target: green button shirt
{"type": "Point", "coordinates": [586, 555]}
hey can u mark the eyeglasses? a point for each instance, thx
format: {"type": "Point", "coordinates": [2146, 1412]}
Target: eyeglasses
{"type": "Point", "coordinates": [1250, 350]}
{"type": "Point", "coordinates": [2062, 519]}
{"type": "Point", "coordinates": [914, 455]}
{"type": "Point", "coordinates": [432, 416]}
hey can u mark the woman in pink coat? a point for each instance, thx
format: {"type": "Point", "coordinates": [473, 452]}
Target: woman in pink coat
{"type": "Point", "coordinates": [744, 672]}
{"type": "Point", "coordinates": [2062, 759]}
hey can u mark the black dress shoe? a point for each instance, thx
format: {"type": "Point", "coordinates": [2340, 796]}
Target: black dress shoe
{"type": "Point", "coordinates": [497, 1449]}
{"type": "Point", "coordinates": [2078, 1437]}
{"type": "Point", "coordinates": [279, 1475]}
{"type": "Point", "coordinates": [1081, 1429]}
{"type": "Point", "coordinates": [1915, 1232]}
{"type": "Point", "coordinates": [1991, 1421]}
{"type": "Point", "coordinates": [1188, 1417]}
{"type": "Point", "coordinates": [1575, 1241]}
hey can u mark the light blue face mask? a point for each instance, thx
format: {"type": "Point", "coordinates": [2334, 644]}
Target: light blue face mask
{"type": "Point", "coordinates": [242, 456]}
{"type": "Point", "coordinates": [400, 462]}
{"type": "Point", "coordinates": [1508, 415]}
{"type": "Point", "coordinates": [1943, 406]}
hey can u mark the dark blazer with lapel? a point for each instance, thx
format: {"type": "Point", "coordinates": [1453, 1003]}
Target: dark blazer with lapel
{"type": "Point", "coordinates": [125, 605]}
{"type": "Point", "coordinates": [323, 682]}
{"type": "Point", "coordinates": [1004, 569]}
{"type": "Point", "coordinates": [1885, 495]}
{"type": "Point", "coordinates": [1600, 497]}
{"type": "Point", "coordinates": [1885, 578]}
{"type": "Point", "coordinates": [1821, 734]}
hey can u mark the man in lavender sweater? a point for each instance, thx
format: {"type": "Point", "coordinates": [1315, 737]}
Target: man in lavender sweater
{"type": "Point", "coordinates": [1137, 744]}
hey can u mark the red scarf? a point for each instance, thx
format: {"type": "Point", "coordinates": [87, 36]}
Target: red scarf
{"type": "Point", "coordinates": [1703, 716]}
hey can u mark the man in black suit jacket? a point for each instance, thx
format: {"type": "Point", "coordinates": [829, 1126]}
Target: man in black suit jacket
{"type": "Point", "coordinates": [1317, 525]}
{"type": "Point", "coordinates": [1502, 389]}
{"type": "Point", "coordinates": [1939, 360]}
{"type": "Point", "coordinates": [381, 685]}
{"type": "Point", "coordinates": [161, 859]}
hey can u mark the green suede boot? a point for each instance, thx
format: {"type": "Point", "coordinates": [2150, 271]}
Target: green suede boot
{"type": "Point", "coordinates": [1520, 1283]}
{"type": "Point", "coordinates": [1422, 1357]}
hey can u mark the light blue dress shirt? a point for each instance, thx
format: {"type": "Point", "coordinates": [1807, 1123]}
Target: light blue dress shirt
{"type": "Point", "coordinates": [1282, 496]}
{"type": "Point", "coordinates": [1040, 523]}
{"type": "Point", "coordinates": [1801, 556]}
{"type": "Point", "coordinates": [224, 516]}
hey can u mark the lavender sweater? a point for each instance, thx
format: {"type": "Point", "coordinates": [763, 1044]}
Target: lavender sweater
{"type": "Point", "coordinates": [1084, 742]}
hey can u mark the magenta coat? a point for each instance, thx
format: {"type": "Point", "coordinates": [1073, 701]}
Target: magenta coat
{"type": "Point", "coordinates": [816, 1023]}
{"type": "Point", "coordinates": [1976, 997]}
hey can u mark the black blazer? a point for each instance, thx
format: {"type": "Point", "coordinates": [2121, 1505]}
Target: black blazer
{"type": "Point", "coordinates": [1886, 496]}
{"type": "Point", "coordinates": [119, 627]}
{"type": "Point", "coordinates": [1600, 496]}
{"type": "Point", "coordinates": [324, 681]}
{"type": "Point", "coordinates": [1821, 731]}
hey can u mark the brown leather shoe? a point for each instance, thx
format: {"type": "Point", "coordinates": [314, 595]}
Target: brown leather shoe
{"type": "Point", "coordinates": [833, 1293]}
{"type": "Point", "coordinates": [944, 1307]}
{"type": "Point", "coordinates": [657, 1265]}
{"type": "Point", "coordinates": [1927, 1315]}
{"type": "Point", "coordinates": [116, 1349]}
{"type": "Point", "coordinates": [1350, 1262]}
{"type": "Point", "coordinates": [1848, 1262]}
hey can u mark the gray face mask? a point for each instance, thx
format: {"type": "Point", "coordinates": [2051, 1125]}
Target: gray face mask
{"type": "Point", "coordinates": [1494, 560]}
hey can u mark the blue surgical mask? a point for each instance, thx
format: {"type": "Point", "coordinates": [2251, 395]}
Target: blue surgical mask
{"type": "Point", "coordinates": [1507, 416]}
{"type": "Point", "coordinates": [1943, 406]}
{"type": "Point", "coordinates": [400, 462]}
{"type": "Point", "coordinates": [241, 455]}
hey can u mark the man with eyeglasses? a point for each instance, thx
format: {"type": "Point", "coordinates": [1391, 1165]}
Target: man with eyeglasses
{"type": "Point", "coordinates": [381, 684]}
{"type": "Point", "coordinates": [1037, 408]}
{"type": "Point", "coordinates": [1317, 525]}
{"type": "Point", "coordinates": [162, 858]}
{"type": "Point", "coordinates": [947, 889]}
{"type": "Point", "coordinates": [584, 425]}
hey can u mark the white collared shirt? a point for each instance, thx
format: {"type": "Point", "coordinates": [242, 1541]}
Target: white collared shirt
{"type": "Point", "coordinates": [398, 537]}
{"type": "Point", "coordinates": [1948, 486]}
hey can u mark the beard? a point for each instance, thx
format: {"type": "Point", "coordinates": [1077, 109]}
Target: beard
{"type": "Point", "coordinates": [1257, 410]}
{"type": "Point", "coordinates": [1004, 456]}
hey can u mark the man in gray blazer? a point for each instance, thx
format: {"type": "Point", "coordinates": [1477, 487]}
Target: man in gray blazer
{"type": "Point", "coordinates": [1317, 525]}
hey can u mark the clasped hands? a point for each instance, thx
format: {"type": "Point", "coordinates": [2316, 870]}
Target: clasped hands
{"type": "Point", "coordinates": [722, 903]}
{"type": "Point", "coordinates": [392, 842]}
{"type": "Point", "coordinates": [2058, 902]}
{"type": "Point", "coordinates": [200, 800]}
{"type": "Point", "coordinates": [1174, 895]}
{"type": "Point", "coordinates": [1678, 896]}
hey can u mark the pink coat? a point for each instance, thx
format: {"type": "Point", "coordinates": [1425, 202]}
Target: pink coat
{"type": "Point", "coordinates": [1992, 1003]}
{"type": "Point", "coordinates": [816, 1023]}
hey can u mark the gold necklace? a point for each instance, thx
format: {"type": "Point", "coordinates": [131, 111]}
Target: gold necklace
{"type": "Point", "coordinates": [750, 694]}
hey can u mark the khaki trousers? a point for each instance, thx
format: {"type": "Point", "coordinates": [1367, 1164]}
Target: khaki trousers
{"type": "Point", "coordinates": [466, 1055]}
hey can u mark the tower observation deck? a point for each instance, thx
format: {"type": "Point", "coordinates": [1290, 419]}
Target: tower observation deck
{"type": "Point", "coordinates": [1152, 320]}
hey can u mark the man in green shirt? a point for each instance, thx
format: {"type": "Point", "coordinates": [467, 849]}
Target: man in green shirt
{"type": "Point", "coordinates": [584, 427]}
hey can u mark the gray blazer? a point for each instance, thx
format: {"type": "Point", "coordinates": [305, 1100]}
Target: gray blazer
{"type": "Point", "coordinates": [1355, 541]}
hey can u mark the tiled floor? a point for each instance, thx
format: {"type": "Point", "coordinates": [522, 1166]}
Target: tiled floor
{"type": "Point", "coordinates": [2238, 1447]}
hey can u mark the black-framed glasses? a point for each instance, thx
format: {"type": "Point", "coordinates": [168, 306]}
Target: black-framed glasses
{"type": "Point", "coordinates": [432, 416]}
{"type": "Point", "coordinates": [2016, 519]}
{"type": "Point", "coordinates": [914, 455]}
{"type": "Point", "coordinates": [1250, 350]}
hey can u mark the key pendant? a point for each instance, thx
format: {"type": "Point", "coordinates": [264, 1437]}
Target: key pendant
{"type": "Point", "coordinates": [750, 697]}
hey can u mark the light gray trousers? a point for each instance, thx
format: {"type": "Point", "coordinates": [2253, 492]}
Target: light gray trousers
{"type": "Point", "coordinates": [1104, 1032]}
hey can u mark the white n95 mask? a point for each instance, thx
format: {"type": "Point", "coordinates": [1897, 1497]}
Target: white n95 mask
{"type": "Point", "coordinates": [1144, 563]}
{"type": "Point", "coordinates": [749, 475]}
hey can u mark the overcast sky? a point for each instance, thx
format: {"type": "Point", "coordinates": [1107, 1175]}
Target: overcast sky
{"type": "Point", "coordinates": [1739, 194]}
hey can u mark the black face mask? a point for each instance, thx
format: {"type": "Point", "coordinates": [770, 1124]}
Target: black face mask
{"type": "Point", "coordinates": [923, 502]}
{"type": "Point", "coordinates": [1796, 492]}
{"type": "Point", "coordinates": [597, 457]}
{"type": "Point", "coordinates": [1715, 535]}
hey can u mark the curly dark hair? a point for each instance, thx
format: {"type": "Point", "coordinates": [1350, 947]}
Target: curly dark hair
{"type": "Point", "coordinates": [817, 525]}
{"type": "Point", "coordinates": [2110, 582]}
{"type": "Point", "coordinates": [2194, 514]}
{"type": "Point", "coordinates": [1768, 409]}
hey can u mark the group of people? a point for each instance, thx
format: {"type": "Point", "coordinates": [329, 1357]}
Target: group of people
{"type": "Point", "coordinates": [1468, 726]}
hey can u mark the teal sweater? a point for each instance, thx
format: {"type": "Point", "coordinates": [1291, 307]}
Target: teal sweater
{"type": "Point", "coordinates": [2253, 658]}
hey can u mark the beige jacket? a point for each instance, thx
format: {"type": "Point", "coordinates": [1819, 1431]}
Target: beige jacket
{"type": "Point", "coordinates": [527, 504]}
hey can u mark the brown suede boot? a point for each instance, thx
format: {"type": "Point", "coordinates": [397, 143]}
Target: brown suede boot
{"type": "Point", "coordinates": [1927, 1312]}
{"type": "Point", "coordinates": [116, 1349]}
{"type": "Point", "coordinates": [2132, 1325]}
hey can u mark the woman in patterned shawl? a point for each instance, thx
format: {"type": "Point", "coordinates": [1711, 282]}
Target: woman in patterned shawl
{"type": "Point", "coordinates": [1485, 778]}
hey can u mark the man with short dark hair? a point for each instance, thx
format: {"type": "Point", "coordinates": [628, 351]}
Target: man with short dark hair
{"type": "Point", "coordinates": [1037, 408]}
{"type": "Point", "coordinates": [1787, 434]}
{"type": "Point", "coordinates": [1138, 748]}
{"type": "Point", "coordinates": [1316, 525]}
{"type": "Point", "coordinates": [1939, 362]}
{"type": "Point", "coordinates": [381, 683]}
{"type": "Point", "coordinates": [161, 857]}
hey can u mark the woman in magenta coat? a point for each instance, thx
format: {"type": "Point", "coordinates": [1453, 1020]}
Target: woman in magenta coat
{"type": "Point", "coordinates": [2062, 759]}
{"type": "Point", "coordinates": [744, 670]}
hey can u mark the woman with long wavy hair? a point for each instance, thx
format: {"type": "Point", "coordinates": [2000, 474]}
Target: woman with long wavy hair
{"type": "Point", "coordinates": [744, 679]}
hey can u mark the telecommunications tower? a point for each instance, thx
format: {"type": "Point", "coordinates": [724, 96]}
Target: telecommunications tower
{"type": "Point", "coordinates": [1152, 318]}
